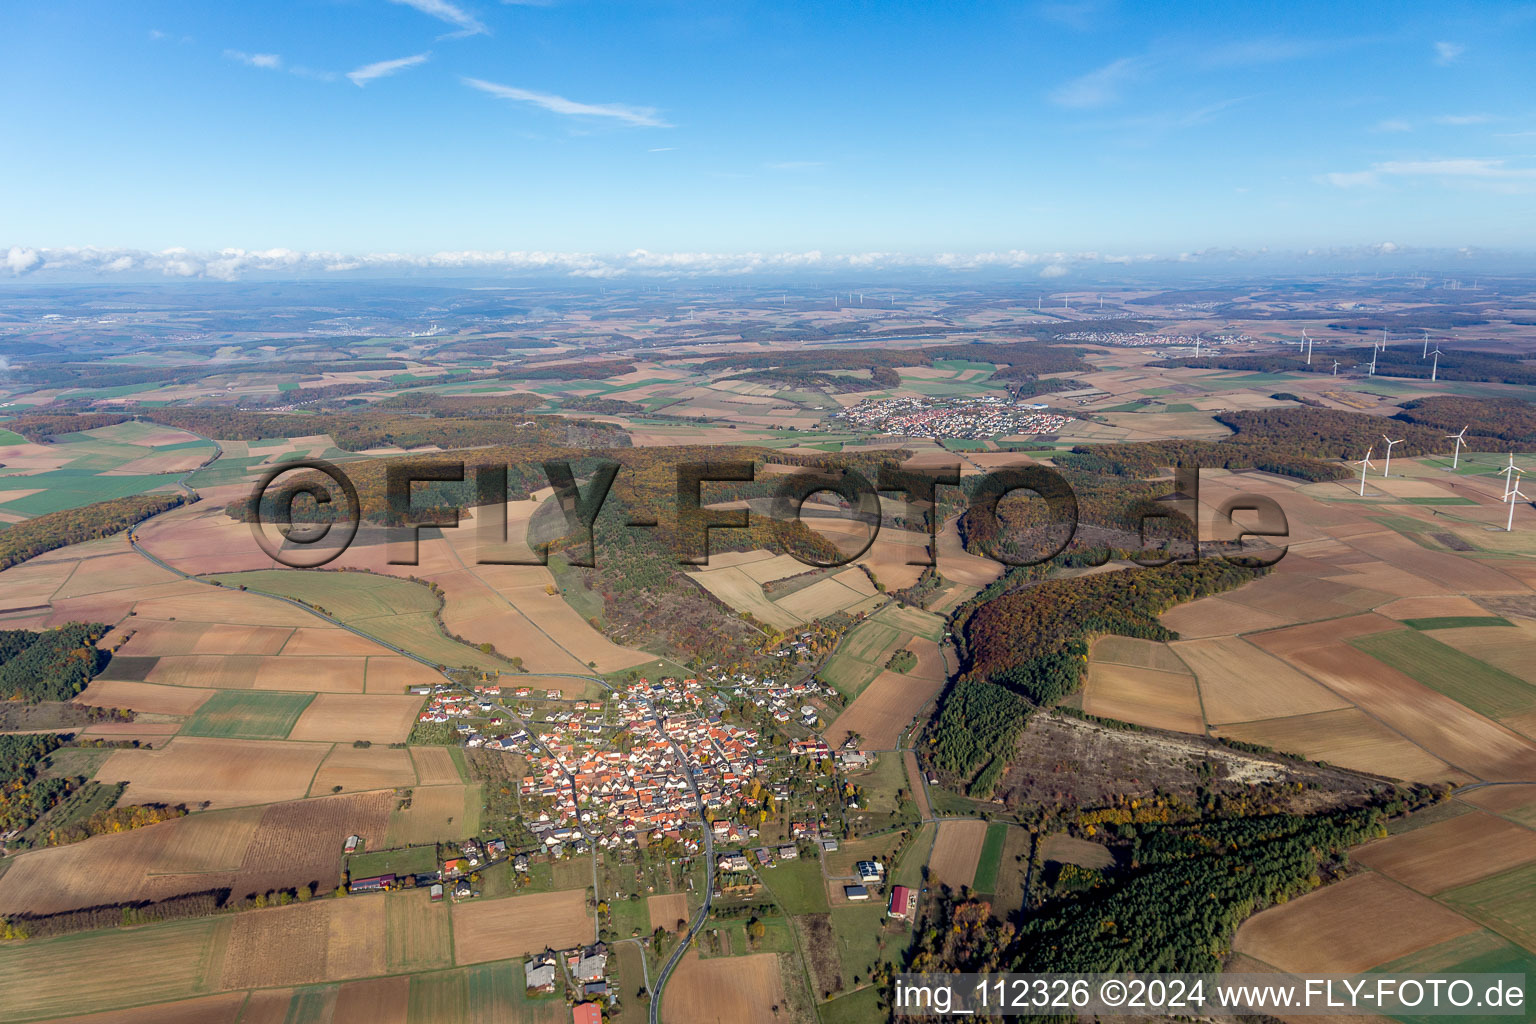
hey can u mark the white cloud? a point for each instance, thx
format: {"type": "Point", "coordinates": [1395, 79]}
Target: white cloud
{"type": "Point", "coordinates": [1470, 167]}
{"type": "Point", "coordinates": [647, 117]}
{"type": "Point", "coordinates": [1467, 169]}
{"type": "Point", "coordinates": [1080, 15]}
{"type": "Point", "coordinates": [22, 261]}
{"type": "Point", "coordinates": [234, 264]}
{"type": "Point", "coordinates": [1448, 53]}
{"type": "Point", "coordinates": [1348, 179]}
{"type": "Point", "coordinates": [266, 61]}
{"type": "Point", "coordinates": [1460, 119]}
{"type": "Point", "coordinates": [1392, 124]}
{"type": "Point", "coordinates": [384, 68]}
{"type": "Point", "coordinates": [442, 10]}
{"type": "Point", "coordinates": [1102, 86]}
{"type": "Point", "coordinates": [795, 165]}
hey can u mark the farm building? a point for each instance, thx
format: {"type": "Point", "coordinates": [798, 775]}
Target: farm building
{"type": "Point", "coordinates": [378, 883]}
{"type": "Point", "coordinates": [586, 1013]}
{"type": "Point", "coordinates": [539, 972]}
{"type": "Point", "coordinates": [903, 903]}
{"type": "Point", "coordinates": [855, 892]}
{"type": "Point", "coordinates": [870, 870]}
{"type": "Point", "coordinates": [437, 892]}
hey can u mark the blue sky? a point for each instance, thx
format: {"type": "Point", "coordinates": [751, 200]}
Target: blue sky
{"type": "Point", "coordinates": [423, 126]}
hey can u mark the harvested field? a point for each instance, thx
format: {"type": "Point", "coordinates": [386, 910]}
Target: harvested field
{"type": "Point", "coordinates": [435, 767]}
{"type": "Point", "coordinates": [267, 1006]}
{"type": "Point", "coordinates": [1348, 738]}
{"type": "Point", "coordinates": [396, 674]}
{"type": "Point", "coordinates": [496, 929]}
{"type": "Point", "coordinates": [1217, 616]}
{"type": "Point", "coordinates": [146, 698]}
{"type": "Point", "coordinates": [913, 620]}
{"type": "Point", "coordinates": [883, 711]}
{"type": "Point", "coordinates": [725, 990]}
{"type": "Point", "coordinates": [302, 841]}
{"type": "Point", "coordinates": [152, 638]}
{"type": "Point", "coordinates": [667, 910]}
{"type": "Point", "coordinates": [226, 773]}
{"type": "Point", "coordinates": [344, 717]}
{"type": "Point", "coordinates": [329, 642]}
{"type": "Point", "coordinates": [250, 849]}
{"type": "Point", "coordinates": [305, 943]}
{"type": "Point", "coordinates": [111, 968]}
{"type": "Point", "coordinates": [1241, 683]}
{"type": "Point", "coordinates": [1442, 726]}
{"type": "Point", "coordinates": [258, 672]}
{"type": "Point", "coordinates": [375, 1001]}
{"type": "Point", "coordinates": [1506, 649]}
{"type": "Point", "coordinates": [1517, 803]}
{"type": "Point", "coordinates": [956, 852]}
{"type": "Point", "coordinates": [1162, 700]}
{"type": "Point", "coordinates": [1149, 654]}
{"type": "Point", "coordinates": [1348, 927]}
{"type": "Point", "coordinates": [436, 814]}
{"type": "Point", "coordinates": [197, 852]}
{"type": "Point", "coordinates": [354, 769]}
{"type": "Point", "coordinates": [223, 1008]}
{"type": "Point", "coordinates": [741, 592]}
{"type": "Point", "coordinates": [1463, 678]}
{"type": "Point", "coordinates": [419, 934]}
{"type": "Point", "coordinates": [819, 600]}
{"type": "Point", "coordinates": [1450, 853]}
{"type": "Point", "coordinates": [1064, 849]}
{"type": "Point", "coordinates": [1430, 607]}
{"type": "Point", "coordinates": [247, 715]}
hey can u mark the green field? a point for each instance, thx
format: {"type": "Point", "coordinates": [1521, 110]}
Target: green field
{"type": "Point", "coordinates": [247, 715]}
{"type": "Point", "coordinates": [1457, 621]}
{"type": "Point", "coordinates": [863, 941]}
{"type": "Point", "coordinates": [418, 933]}
{"type": "Point", "coordinates": [910, 871]}
{"type": "Point", "coordinates": [991, 858]}
{"type": "Point", "coordinates": [82, 481]}
{"type": "Point", "coordinates": [797, 885]}
{"type": "Point", "coordinates": [855, 1008]}
{"type": "Point", "coordinates": [912, 620]}
{"type": "Point", "coordinates": [1506, 903]}
{"type": "Point", "coordinates": [1481, 952]}
{"type": "Point", "coordinates": [1481, 687]}
{"type": "Point", "coordinates": [412, 860]}
{"type": "Point", "coordinates": [403, 612]}
{"type": "Point", "coordinates": [483, 994]}
{"type": "Point", "coordinates": [860, 656]}
{"type": "Point", "coordinates": [101, 970]}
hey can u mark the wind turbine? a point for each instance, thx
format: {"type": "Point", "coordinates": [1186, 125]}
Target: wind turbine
{"type": "Point", "coordinates": [1364, 465]}
{"type": "Point", "coordinates": [1308, 339]}
{"type": "Point", "coordinates": [1435, 370]}
{"type": "Point", "coordinates": [1514, 493]}
{"type": "Point", "coordinates": [1197, 346]}
{"type": "Point", "coordinates": [1461, 440]}
{"type": "Point", "coordinates": [1335, 367]}
{"type": "Point", "coordinates": [1373, 361]}
{"type": "Point", "coordinates": [1425, 353]}
{"type": "Point", "coordinates": [1385, 470]}
{"type": "Point", "coordinates": [1383, 339]}
{"type": "Point", "coordinates": [1508, 473]}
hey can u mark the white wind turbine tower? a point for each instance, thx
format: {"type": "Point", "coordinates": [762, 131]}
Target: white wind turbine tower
{"type": "Point", "coordinates": [1514, 494]}
{"type": "Point", "coordinates": [1383, 339]}
{"type": "Point", "coordinates": [1460, 440]}
{"type": "Point", "coordinates": [1373, 361]}
{"type": "Point", "coordinates": [1364, 464]}
{"type": "Point", "coordinates": [1425, 353]}
{"type": "Point", "coordinates": [1386, 469]}
{"type": "Point", "coordinates": [1335, 367]}
{"type": "Point", "coordinates": [1197, 346]}
{"type": "Point", "coordinates": [1309, 345]}
{"type": "Point", "coordinates": [1435, 370]}
{"type": "Point", "coordinates": [1508, 473]}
